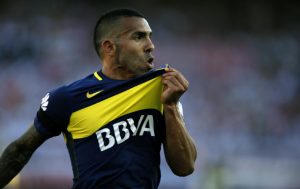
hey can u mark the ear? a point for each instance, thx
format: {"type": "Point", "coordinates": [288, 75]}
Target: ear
{"type": "Point", "coordinates": [108, 47]}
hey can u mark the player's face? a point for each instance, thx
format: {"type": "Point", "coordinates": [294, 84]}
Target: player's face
{"type": "Point", "coordinates": [134, 46]}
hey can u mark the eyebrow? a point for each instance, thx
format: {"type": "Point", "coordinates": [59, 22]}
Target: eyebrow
{"type": "Point", "coordinates": [135, 32]}
{"type": "Point", "coordinates": [144, 33]}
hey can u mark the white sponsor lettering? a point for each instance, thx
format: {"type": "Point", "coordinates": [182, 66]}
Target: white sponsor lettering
{"type": "Point", "coordinates": [148, 126]}
{"type": "Point", "coordinates": [123, 130]}
{"type": "Point", "coordinates": [107, 135]}
{"type": "Point", "coordinates": [117, 126]}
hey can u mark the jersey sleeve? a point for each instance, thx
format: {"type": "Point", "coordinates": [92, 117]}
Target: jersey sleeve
{"type": "Point", "coordinates": [180, 109]}
{"type": "Point", "coordinates": [53, 115]}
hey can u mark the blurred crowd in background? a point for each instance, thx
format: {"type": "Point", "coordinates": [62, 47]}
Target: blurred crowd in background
{"type": "Point", "coordinates": [242, 59]}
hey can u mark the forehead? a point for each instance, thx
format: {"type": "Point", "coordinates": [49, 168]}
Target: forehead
{"type": "Point", "coordinates": [133, 24]}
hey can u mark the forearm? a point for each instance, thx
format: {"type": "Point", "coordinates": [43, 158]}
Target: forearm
{"type": "Point", "coordinates": [179, 147]}
{"type": "Point", "coordinates": [12, 161]}
{"type": "Point", "coordinates": [17, 154]}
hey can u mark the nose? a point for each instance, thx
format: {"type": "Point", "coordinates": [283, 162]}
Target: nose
{"type": "Point", "coordinates": [149, 46]}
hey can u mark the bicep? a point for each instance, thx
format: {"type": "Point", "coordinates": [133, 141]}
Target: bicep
{"type": "Point", "coordinates": [31, 139]}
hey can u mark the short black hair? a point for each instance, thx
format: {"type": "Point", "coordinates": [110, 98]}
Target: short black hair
{"type": "Point", "coordinates": [107, 19]}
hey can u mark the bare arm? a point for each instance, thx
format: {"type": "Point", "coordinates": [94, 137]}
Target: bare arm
{"type": "Point", "coordinates": [17, 154]}
{"type": "Point", "coordinates": [179, 148]}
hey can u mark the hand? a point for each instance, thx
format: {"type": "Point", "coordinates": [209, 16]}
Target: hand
{"type": "Point", "coordinates": [174, 85]}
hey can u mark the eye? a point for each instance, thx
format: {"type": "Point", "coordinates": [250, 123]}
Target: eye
{"type": "Point", "coordinates": [139, 35]}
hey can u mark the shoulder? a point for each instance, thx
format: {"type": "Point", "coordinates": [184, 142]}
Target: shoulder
{"type": "Point", "coordinates": [56, 97]}
{"type": "Point", "coordinates": [68, 96]}
{"type": "Point", "coordinates": [64, 94]}
{"type": "Point", "coordinates": [52, 115]}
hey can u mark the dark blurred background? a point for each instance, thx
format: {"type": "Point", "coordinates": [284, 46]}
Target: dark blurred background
{"type": "Point", "coordinates": [242, 59]}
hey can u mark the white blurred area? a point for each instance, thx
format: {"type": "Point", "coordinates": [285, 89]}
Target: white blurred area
{"type": "Point", "coordinates": [242, 61]}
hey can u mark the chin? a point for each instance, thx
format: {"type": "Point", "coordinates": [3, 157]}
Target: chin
{"type": "Point", "coordinates": [142, 72]}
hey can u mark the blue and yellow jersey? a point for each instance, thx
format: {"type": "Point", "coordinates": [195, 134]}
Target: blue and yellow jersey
{"type": "Point", "coordinates": [113, 129]}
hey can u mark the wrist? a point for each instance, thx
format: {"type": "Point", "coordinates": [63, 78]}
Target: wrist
{"type": "Point", "coordinates": [174, 107]}
{"type": "Point", "coordinates": [170, 106]}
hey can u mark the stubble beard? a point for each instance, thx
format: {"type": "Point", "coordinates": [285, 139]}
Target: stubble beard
{"type": "Point", "coordinates": [129, 65]}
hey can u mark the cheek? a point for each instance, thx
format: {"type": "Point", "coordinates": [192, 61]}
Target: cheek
{"type": "Point", "coordinates": [132, 48]}
{"type": "Point", "coordinates": [131, 55]}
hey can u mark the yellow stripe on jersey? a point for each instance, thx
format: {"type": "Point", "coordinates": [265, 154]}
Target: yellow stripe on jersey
{"type": "Point", "coordinates": [97, 76]}
{"type": "Point", "coordinates": [87, 121]}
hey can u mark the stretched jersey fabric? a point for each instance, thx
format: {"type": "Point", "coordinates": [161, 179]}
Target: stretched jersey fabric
{"type": "Point", "coordinates": [113, 129]}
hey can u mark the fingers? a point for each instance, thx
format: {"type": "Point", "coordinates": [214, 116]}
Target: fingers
{"type": "Point", "coordinates": [175, 79]}
{"type": "Point", "coordinates": [175, 85]}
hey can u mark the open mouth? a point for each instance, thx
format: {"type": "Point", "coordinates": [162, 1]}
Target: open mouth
{"type": "Point", "coordinates": [150, 60]}
{"type": "Point", "coordinates": [150, 63]}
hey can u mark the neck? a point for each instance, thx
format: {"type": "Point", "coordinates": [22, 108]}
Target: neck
{"type": "Point", "coordinates": [116, 72]}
